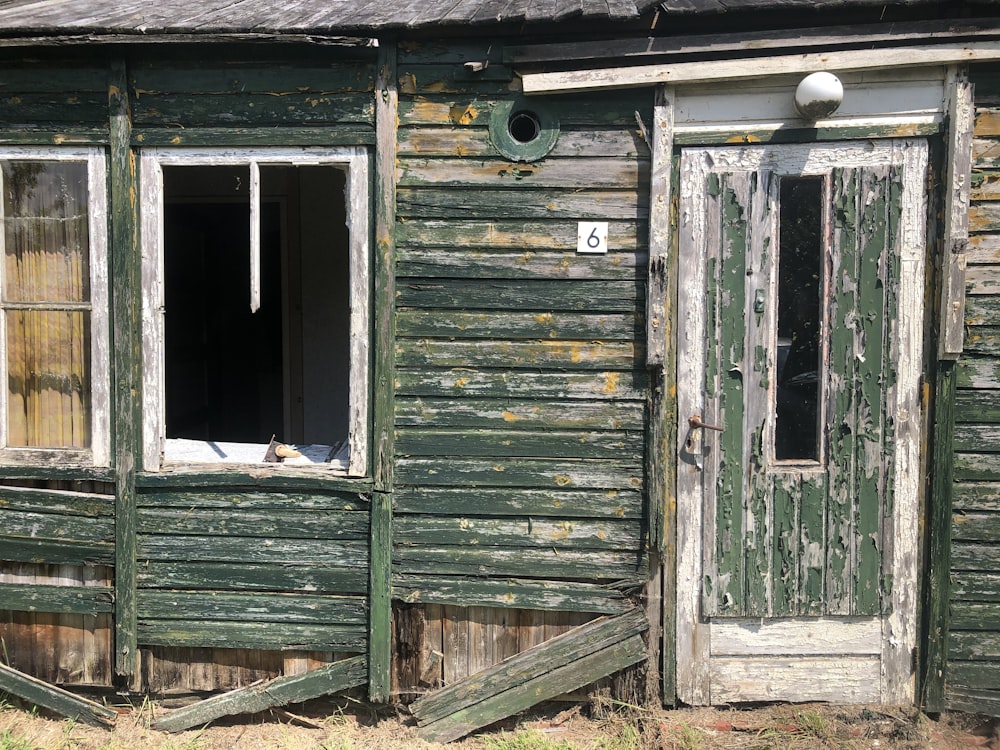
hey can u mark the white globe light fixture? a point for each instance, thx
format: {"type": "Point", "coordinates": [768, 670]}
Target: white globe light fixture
{"type": "Point", "coordinates": [818, 95]}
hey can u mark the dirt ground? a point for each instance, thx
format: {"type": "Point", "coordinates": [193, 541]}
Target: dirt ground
{"type": "Point", "coordinates": [558, 726]}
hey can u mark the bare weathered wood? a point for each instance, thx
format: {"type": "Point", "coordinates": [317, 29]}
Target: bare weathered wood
{"type": "Point", "coordinates": [835, 679]}
{"type": "Point", "coordinates": [332, 678]}
{"type": "Point", "coordinates": [956, 211]}
{"type": "Point", "coordinates": [529, 665]}
{"type": "Point", "coordinates": [55, 699]}
{"type": "Point", "coordinates": [657, 327]}
{"type": "Point", "coordinates": [512, 593]}
{"type": "Point", "coordinates": [535, 502]}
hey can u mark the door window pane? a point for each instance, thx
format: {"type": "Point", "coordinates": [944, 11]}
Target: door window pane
{"type": "Point", "coordinates": [800, 252]}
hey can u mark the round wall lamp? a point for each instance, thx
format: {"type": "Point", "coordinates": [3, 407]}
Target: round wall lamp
{"type": "Point", "coordinates": [818, 95]}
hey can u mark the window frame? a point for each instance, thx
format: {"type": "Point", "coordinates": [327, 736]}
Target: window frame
{"type": "Point", "coordinates": [355, 162]}
{"type": "Point", "coordinates": [99, 452]}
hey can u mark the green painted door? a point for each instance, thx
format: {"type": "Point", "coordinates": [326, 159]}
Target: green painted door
{"type": "Point", "coordinates": [799, 357]}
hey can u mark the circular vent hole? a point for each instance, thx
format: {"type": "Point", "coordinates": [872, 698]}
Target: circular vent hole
{"type": "Point", "coordinates": [524, 127]}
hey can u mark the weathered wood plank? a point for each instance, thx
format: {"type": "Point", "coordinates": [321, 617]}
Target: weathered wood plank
{"type": "Point", "coordinates": [572, 645]}
{"type": "Point", "coordinates": [984, 217]}
{"type": "Point", "coordinates": [974, 646]}
{"type": "Point", "coordinates": [494, 80]}
{"type": "Point", "coordinates": [193, 548]}
{"type": "Point", "coordinates": [296, 608]}
{"type": "Point", "coordinates": [977, 406]}
{"type": "Point", "coordinates": [518, 502]}
{"type": "Point", "coordinates": [306, 524]}
{"type": "Point", "coordinates": [975, 555]}
{"type": "Point", "coordinates": [55, 699]}
{"type": "Point", "coordinates": [526, 264]}
{"type": "Point", "coordinates": [978, 372]}
{"type": "Point", "coordinates": [252, 635]}
{"type": "Point", "coordinates": [984, 467]}
{"type": "Point", "coordinates": [984, 249]}
{"type": "Point", "coordinates": [276, 79]}
{"type": "Point", "coordinates": [512, 533]}
{"type": "Point", "coordinates": [613, 110]}
{"type": "Point", "coordinates": [983, 340]}
{"type": "Point", "coordinates": [505, 203]}
{"type": "Point", "coordinates": [975, 616]}
{"type": "Point", "coordinates": [511, 593]}
{"type": "Point", "coordinates": [65, 528]}
{"type": "Point", "coordinates": [534, 294]}
{"type": "Point", "coordinates": [56, 551]}
{"type": "Point", "coordinates": [975, 586]}
{"type": "Point", "coordinates": [379, 631]}
{"type": "Point", "coordinates": [269, 476]}
{"type": "Point", "coordinates": [248, 500]}
{"type": "Point", "coordinates": [247, 576]}
{"type": "Point", "coordinates": [57, 502]}
{"type": "Point", "coordinates": [47, 108]}
{"type": "Point", "coordinates": [299, 108]}
{"type": "Point", "coordinates": [350, 134]}
{"type": "Point", "coordinates": [332, 678]}
{"type": "Point", "coordinates": [487, 414]}
{"type": "Point", "coordinates": [559, 681]}
{"type": "Point", "coordinates": [596, 173]}
{"type": "Point", "coordinates": [629, 566]}
{"type": "Point", "coordinates": [473, 383]}
{"type": "Point", "coordinates": [475, 142]}
{"type": "Point", "coordinates": [973, 701]}
{"type": "Point", "coordinates": [520, 472]}
{"type": "Point", "coordinates": [545, 353]}
{"type": "Point", "coordinates": [519, 443]}
{"type": "Point", "coordinates": [976, 496]}
{"type": "Point", "coordinates": [543, 237]}
{"type": "Point", "coordinates": [77, 600]}
{"type": "Point", "coordinates": [977, 438]}
{"type": "Point", "coordinates": [833, 679]}
{"type": "Point", "coordinates": [974, 675]}
{"type": "Point", "coordinates": [42, 77]}
{"type": "Point", "coordinates": [518, 325]}
{"type": "Point", "coordinates": [814, 637]}
{"type": "Point", "coordinates": [982, 311]}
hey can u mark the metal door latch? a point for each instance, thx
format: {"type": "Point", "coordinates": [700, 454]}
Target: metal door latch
{"type": "Point", "coordinates": [695, 421]}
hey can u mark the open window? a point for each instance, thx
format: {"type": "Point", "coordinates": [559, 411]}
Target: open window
{"type": "Point", "coordinates": [256, 307]}
{"type": "Point", "coordinates": [54, 307]}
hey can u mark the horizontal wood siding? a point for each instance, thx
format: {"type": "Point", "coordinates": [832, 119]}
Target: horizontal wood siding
{"type": "Point", "coordinates": [53, 94]}
{"type": "Point", "coordinates": [223, 570]}
{"type": "Point", "coordinates": [972, 675]}
{"type": "Point", "coordinates": [56, 553]}
{"type": "Point", "coordinates": [218, 97]}
{"type": "Point", "coordinates": [520, 372]}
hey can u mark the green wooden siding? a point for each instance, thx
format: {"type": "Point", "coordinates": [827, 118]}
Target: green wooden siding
{"type": "Point", "coordinates": [253, 569]}
{"type": "Point", "coordinates": [972, 671]}
{"type": "Point", "coordinates": [520, 402]}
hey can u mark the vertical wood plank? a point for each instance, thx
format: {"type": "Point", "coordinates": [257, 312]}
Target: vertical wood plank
{"type": "Point", "coordinates": [380, 605]}
{"type": "Point", "coordinates": [813, 546]}
{"type": "Point", "coordinates": [126, 345]}
{"type": "Point", "coordinates": [455, 638]}
{"type": "Point", "coordinates": [958, 176]}
{"type": "Point", "coordinates": [380, 623]}
{"type": "Point", "coordinates": [657, 323]}
{"type": "Point", "coordinates": [785, 502]}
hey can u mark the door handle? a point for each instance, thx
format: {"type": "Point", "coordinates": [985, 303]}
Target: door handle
{"type": "Point", "coordinates": [695, 421]}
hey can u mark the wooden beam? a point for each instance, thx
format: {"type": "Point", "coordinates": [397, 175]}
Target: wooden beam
{"type": "Point", "coordinates": [332, 678]}
{"type": "Point", "coordinates": [55, 699]}
{"type": "Point", "coordinates": [80, 600]}
{"type": "Point", "coordinates": [958, 176]}
{"type": "Point", "coordinates": [560, 679]}
{"type": "Point", "coordinates": [383, 347]}
{"type": "Point", "coordinates": [537, 674]}
{"type": "Point", "coordinates": [757, 67]}
{"type": "Point", "coordinates": [126, 437]}
{"type": "Point", "coordinates": [662, 147]}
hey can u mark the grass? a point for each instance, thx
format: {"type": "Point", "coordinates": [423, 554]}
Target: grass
{"type": "Point", "coordinates": [528, 739]}
{"type": "Point", "coordinates": [9, 742]}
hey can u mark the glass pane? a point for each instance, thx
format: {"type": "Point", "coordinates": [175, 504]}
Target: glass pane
{"type": "Point", "coordinates": [48, 379]}
{"type": "Point", "coordinates": [799, 318]}
{"type": "Point", "coordinates": [46, 240]}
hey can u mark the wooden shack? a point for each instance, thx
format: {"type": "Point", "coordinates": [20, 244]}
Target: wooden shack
{"type": "Point", "coordinates": [380, 347]}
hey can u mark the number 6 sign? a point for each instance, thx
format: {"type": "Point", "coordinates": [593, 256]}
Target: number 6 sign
{"type": "Point", "coordinates": [592, 237]}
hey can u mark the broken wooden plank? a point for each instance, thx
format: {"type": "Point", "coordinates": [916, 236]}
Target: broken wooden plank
{"type": "Point", "coordinates": [561, 680]}
{"type": "Point", "coordinates": [530, 665]}
{"type": "Point", "coordinates": [332, 678]}
{"type": "Point", "coordinates": [55, 699]}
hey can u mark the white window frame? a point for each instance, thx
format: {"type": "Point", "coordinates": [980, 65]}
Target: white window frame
{"type": "Point", "coordinates": [352, 159]}
{"type": "Point", "coordinates": [100, 380]}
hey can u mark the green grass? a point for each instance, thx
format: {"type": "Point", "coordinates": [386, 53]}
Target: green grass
{"type": "Point", "coordinates": [10, 742]}
{"type": "Point", "coordinates": [527, 739]}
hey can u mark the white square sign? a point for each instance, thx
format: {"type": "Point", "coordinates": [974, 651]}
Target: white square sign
{"type": "Point", "coordinates": [592, 237]}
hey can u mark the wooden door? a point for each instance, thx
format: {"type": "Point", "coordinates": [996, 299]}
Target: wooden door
{"type": "Point", "coordinates": [799, 351]}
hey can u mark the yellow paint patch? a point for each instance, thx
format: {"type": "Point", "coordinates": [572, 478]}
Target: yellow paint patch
{"type": "Point", "coordinates": [463, 115]}
{"type": "Point", "coordinates": [461, 383]}
{"type": "Point", "coordinates": [509, 416]}
{"type": "Point", "coordinates": [562, 480]}
{"type": "Point", "coordinates": [463, 523]}
{"type": "Point", "coordinates": [498, 467]}
{"type": "Point", "coordinates": [610, 383]}
{"type": "Point", "coordinates": [544, 318]}
{"type": "Point", "coordinates": [408, 83]}
{"type": "Point", "coordinates": [747, 138]}
{"type": "Point", "coordinates": [176, 140]}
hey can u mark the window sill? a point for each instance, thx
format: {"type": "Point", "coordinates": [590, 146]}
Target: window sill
{"type": "Point", "coordinates": [185, 451]}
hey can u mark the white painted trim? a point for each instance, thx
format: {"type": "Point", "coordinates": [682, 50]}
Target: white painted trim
{"type": "Point", "coordinates": [757, 67]}
{"type": "Point", "coordinates": [355, 161]}
{"type": "Point", "coordinates": [254, 236]}
{"type": "Point", "coordinates": [99, 453]}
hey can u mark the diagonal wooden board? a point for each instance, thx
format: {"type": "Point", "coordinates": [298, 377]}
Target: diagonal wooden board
{"type": "Point", "coordinates": [560, 665]}
{"type": "Point", "coordinates": [281, 691]}
{"type": "Point", "coordinates": [54, 698]}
